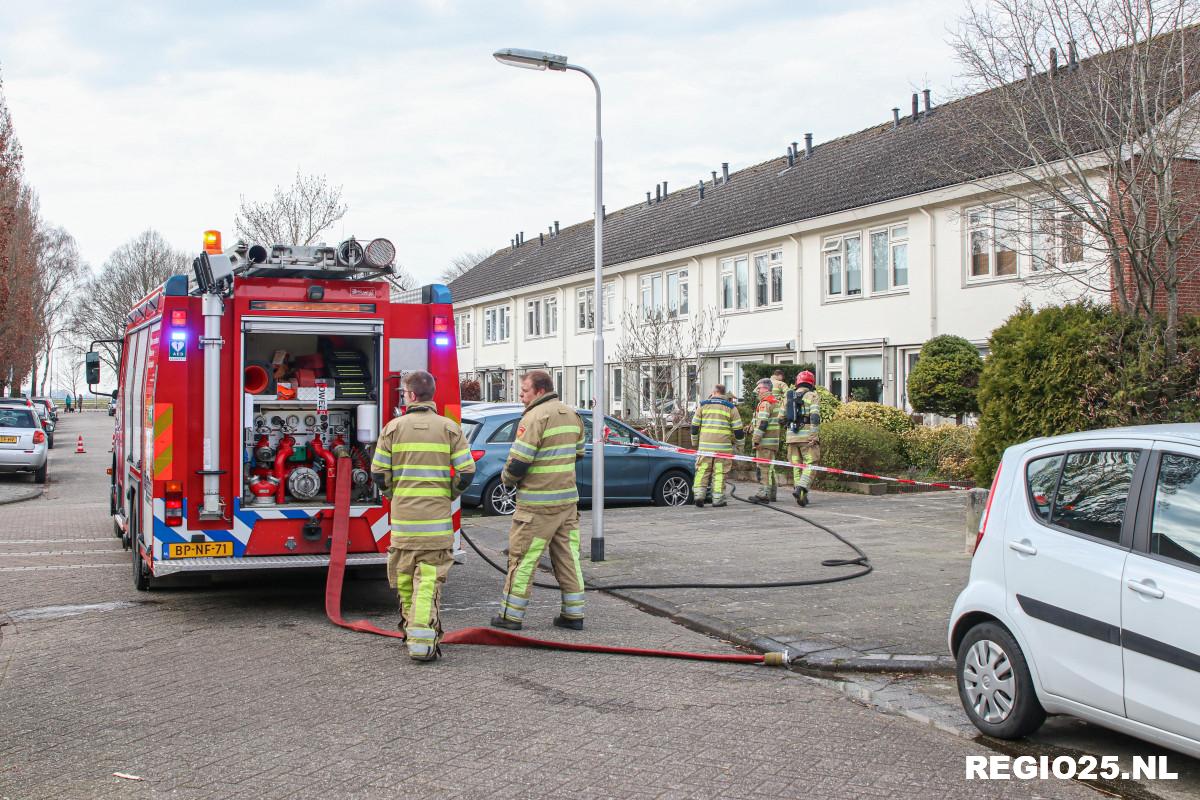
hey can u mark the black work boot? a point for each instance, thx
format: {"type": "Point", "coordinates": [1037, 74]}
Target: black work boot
{"type": "Point", "coordinates": [570, 624]}
{"type": "Point", "coordinates": [506, 623]}
{"type": "Point", "coordinates": [801, 495]}
{"type": "Point", "coordinates": [699, 499]}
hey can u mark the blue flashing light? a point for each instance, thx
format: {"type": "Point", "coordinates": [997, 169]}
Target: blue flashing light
{"type": "Point", "coordinates": [441, 341]}
{"type": "Point", "coordinates": [179, 336]}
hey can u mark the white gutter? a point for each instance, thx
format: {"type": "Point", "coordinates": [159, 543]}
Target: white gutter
{"type": "Point", "coordinates": [933, 274]}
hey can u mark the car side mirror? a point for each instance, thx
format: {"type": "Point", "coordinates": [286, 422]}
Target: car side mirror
{"type": "Point", "coordinates": [92, 365]}
{"type": "Point", "coordinates": [114, 394]}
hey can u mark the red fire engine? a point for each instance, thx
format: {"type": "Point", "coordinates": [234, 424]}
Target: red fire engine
{"type": "Point", "coordinates": [237, 389]}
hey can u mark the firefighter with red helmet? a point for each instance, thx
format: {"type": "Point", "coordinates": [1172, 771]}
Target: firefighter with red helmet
{"type": "Point", "coordinates": [768, 423]}
{"type": "Point", "coordinates": [803, 416]}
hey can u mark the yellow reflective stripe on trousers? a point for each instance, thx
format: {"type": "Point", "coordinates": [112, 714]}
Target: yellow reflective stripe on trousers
{"type": "Point", "coordinates": [521, 578]}
{"type": "Point", "coordinates": [572, 603]}
{"type": "Point", "coordinates": [404, 584]}
{"type": "Point", "coordinates": [423, 601]}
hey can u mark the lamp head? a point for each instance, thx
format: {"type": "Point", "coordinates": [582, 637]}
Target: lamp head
{"type": "Point", "coordinates": [530, 59]}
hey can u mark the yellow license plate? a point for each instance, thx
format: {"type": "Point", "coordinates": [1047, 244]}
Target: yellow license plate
{"type": "Point", "coordinates": [8, 440]}
{"type": "Point", "coordinates": [199, 549]}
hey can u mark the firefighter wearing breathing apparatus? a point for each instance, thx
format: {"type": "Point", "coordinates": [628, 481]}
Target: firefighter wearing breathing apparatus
{"type": "Point", "coordinates": [715, 425]}
{"type": "Point", "coordinates": [768, 423]}
{"type": "Point", "coordinates": [412, 464]}
{"type": "Point", "coordinates": [541, 466]}
{"type": "Point", "coordinates": [803, 416]}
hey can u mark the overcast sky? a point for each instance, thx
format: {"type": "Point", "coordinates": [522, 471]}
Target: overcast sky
{"type": "Point", "coordinates": [138, 115]}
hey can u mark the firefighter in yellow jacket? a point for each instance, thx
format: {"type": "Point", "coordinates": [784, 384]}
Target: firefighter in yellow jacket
{"type": "Point", "coordinates": [768, 425]}
{"type": "Point", "coordinates": [412, 466]}
{"type": "Point", "coordinates": [803, 416]}
{"type": "Point", "coordinates": [541, 465]}
{"type": "Point", "coordinates": [716, 424]}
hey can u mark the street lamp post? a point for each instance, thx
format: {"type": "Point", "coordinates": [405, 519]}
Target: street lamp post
{"type": "Point", "coordinates": [534, 59]}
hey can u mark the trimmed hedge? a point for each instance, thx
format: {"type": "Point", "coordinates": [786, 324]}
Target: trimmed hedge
{"type": "Point", "coordinates": [860, 446]}
{"type": "Point", "coordinates": [946, 451]}
{"type": "Point", "coordinates": [882, 416]}
{"type": "Point", "coordinates": [1080, 367]}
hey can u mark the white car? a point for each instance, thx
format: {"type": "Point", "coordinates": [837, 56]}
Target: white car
{"type": "Point", "coordinates": [1084, 596]}
{"type": "Point", "coordinates": [22, 442]}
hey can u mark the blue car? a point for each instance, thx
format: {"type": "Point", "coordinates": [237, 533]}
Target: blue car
{"type": "Point", "coordinates": [631, 474]}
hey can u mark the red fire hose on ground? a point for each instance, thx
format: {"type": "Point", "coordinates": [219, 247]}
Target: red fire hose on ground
{"type": "Point", "coordinates": [482, 636]}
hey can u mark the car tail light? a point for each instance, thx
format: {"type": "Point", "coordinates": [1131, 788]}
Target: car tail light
{"type": "Point", "coordinates": [39, 437]}
{"type": "Point", "coordinates": [478, 454]}
{"type": "Point", "coordinates": [174, 504]}
{"type": "Point", "coordinates": [987, 510]}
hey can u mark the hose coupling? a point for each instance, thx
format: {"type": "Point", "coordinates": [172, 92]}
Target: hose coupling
{"type": "Point", "coordinates": [778, 659]}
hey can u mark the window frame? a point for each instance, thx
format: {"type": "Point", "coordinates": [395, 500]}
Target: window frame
{"type": "Point", "coordinates": [834, 246]}
{"type": "Point", "coordinates": [838, 361]}
{"type": "Point", "coordinates": [893, 241]}
{"type": "Point", "coordinates": [542, 311]}
{"type": "Point", "coordinates": [989, 227]}
{"type": "Point", "coordinates": [462, 322]}
{"type": "Point", "coordinates": [682, 300]}
{"type": "Point", "coordinates": [500, 314]}
{"type": "Point", "coordinates": [1145, 515]}
{"type": "Point", "coordinates": [581, 294]}
{"type": "Point", "coordinates": [1133, 503]}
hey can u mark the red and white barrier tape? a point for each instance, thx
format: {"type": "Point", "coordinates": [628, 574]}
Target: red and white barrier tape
{"type": "Point", "coordinates": [687, 451]}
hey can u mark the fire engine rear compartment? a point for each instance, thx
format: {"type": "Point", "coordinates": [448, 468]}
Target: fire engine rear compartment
{"type": "Point", "coordinates": [308, 386]}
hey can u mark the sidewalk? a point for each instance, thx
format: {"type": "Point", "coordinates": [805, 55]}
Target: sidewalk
{"type": "Point", "coordinates": [891, 620]}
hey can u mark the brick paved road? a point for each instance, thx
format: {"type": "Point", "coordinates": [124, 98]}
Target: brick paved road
{"type": "Point", "coordinates": [244, 690]}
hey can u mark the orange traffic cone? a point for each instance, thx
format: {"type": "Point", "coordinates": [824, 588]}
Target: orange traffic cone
{"type": "Point", "coordinates": [79, 445]}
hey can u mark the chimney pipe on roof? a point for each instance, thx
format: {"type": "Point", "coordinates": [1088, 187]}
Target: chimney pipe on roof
{"type": "Point", "coordinates": [1053, 60]}
{"type": "Point", "coordinates": [556, 227]}
{"type": "Point", "coordinates": [714, 174]}
{"type": "Point", "coordinates": [658, 192]}
{"type": "Point", "coordinates": [522, 234]}
{"type": "Point", "coordinates": [895, 117]}
{"type": "Point", "coordinates": [648, 201]}
{"type": "Point", "coordinates": [796, 148]}
{"type": "Point", "coordinates": [701, 188]}
{"type": "Point", "coordinates": [724, 172]}
{"type": "Point", "coordinates": [1072, 55]}
{"type": "Point", "coordinates": [916, 108]}
{"type": "Point", "coordinates": [664, 190]}
{"type": "Point", "coordinates": [808, 145]}
{"type": "Point", "coordinates": [928, 105]}
{"type": "Point", "coordinates": [541, 238]}
{"type": "Point", "coordinates": [791, 158]}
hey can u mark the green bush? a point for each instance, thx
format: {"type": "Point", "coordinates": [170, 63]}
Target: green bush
{"type": "Point", "coordinates": [883, 416]}
{"type": "Point", "coordinates": [1080, 367]}
{"type": "Point", "coordinates": [860, 446]}
{"type": "Point", "coordinates": [946, 451]}
{"type": "Point", "coordinates": [829, 404]}
{"type": "Point", "coordinates": [945, 379]}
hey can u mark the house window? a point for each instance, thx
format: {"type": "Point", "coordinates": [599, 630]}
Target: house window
{"type": "Point", "coordinates": [664, 291]}
{"type": "Point", "coordinates": [497, 384]}
{"type": "Point", "coordinates": [735, 283]}
{"type": "Point", "coordinates": [855, 376]}
{"type": "Point", "coordinates": [541, 317]}
{"type": "Point", "coordinates": [768, 278]}
{"type": "Point", "coordinates": [584, 385]}
{"type": "Point", "coordinates": [1058, 238]}
{"type": "Point", "coordinates": [693, 383]}
{"type": "Point", "coordinates": [462, 329]}
{"type": "Point", "coordinates": [889, 258]}
{"type": "Point", "coordinates": [558, 387]}
{"type": "Point", "coordinates": [731, 374]}
{"type": "Point", "coordinates": [992, 236]}
{"type": "Point", "coordinates": [658, 387]}
{"type": "Point", "coordinates": [617, 397]}
{"type": "Point", "coordinates": [495, 324]}
{"type": "Point", "coordinates": [843, 265]}
{"type": "Point", "coordinates": [585, 307]}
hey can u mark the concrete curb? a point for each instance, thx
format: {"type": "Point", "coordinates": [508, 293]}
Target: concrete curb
{"type": "Point", "coordinates": [32, 492]}
{"type": "Point", "coordinates": [816, 655]}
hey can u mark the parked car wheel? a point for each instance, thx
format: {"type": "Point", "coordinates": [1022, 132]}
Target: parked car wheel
{"type": "Point", "coordinates": [673, 489]}
{"type": "Point", "coordinates": [498, 499]}
{"type": "Point", "coordinates": [40, 475]}
{"type": "Point", "coordinates": [994, 684]}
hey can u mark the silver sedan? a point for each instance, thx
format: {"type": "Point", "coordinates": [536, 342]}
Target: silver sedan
{"type": "Point", "coordinates": [23, 443]}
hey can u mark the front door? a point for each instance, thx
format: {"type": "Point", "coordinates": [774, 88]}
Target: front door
{"type": "Point", "coordinates": [1160, 599]}
{"type": "Point", "coordinates": [1063, 559]}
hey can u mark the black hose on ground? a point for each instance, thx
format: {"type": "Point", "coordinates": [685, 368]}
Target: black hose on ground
{"type": "Point", "coordinates": [863, 561]}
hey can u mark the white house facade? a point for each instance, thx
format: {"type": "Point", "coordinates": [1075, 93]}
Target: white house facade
{"type": "Point", "coordinates": [804, 266]}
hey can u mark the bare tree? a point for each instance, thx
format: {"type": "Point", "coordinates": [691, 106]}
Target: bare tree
{"type": "Point", "coordinates": [130, 273]}
{"type": "Point", "coordinates": [58, 272]}
{"type": "Point", "coordinates": [296, 215]}
{"type": "Point", "coordinates": [662, 356]}
{"type": "Point", "coordinates": [1085, 117]}
{"type": "Point", "coordinates": [462, 263]}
